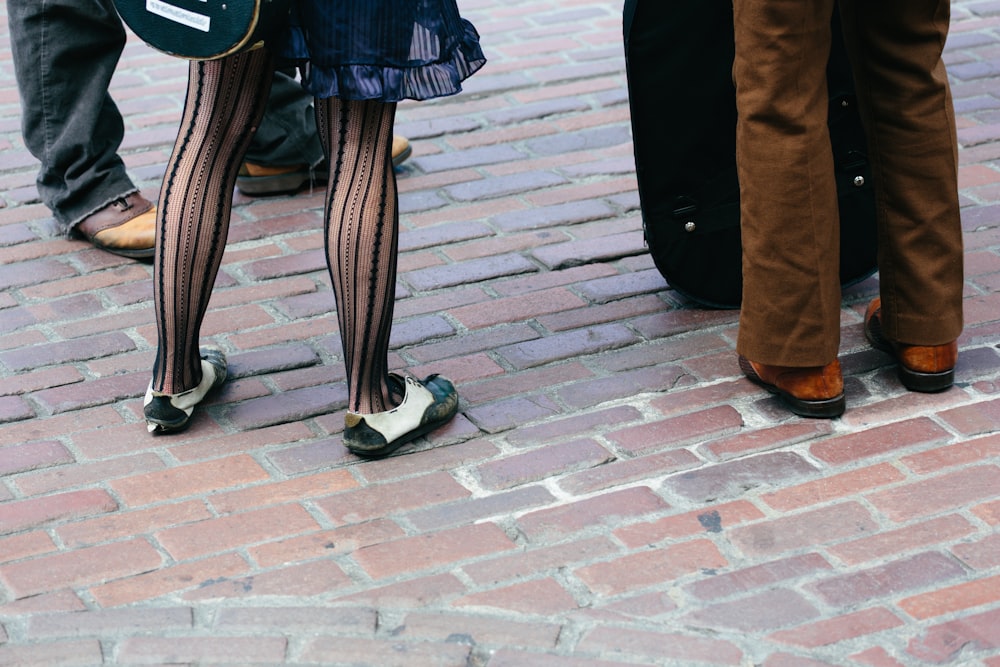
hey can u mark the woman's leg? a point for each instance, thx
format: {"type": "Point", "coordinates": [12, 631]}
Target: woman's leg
{"type": "Point", "coordinates": [225, 101]}
{"type": "Point", "coordinates": [362, 226]}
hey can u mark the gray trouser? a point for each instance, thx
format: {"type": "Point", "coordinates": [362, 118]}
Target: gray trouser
{"type": "Point", "coordinates": [65, 53]}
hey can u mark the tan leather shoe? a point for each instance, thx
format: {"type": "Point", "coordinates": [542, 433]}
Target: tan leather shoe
{"type": "Point", "coordinates": [261, 180]}
{"type": "Point", "coordinates": [925, 368]}
{"type": "Point", "coordinates": [401, 150]}
{"type": "Point", "coordinates": [126, 227]}
{"type": "Point", "coordinates": [816, 391]}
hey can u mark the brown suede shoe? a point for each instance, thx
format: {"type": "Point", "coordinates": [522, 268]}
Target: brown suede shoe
{"type": "Point", "coordinates": [816, 391]}
{"type": "Point", "coordinates": [925, 368]}
{"type": "Point", "coordinates": [126, 227]}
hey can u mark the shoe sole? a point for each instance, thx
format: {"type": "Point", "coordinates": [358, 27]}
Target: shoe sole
{"type": "Point", "coordinates": [272, 186]}
{"type": "Point", "coordinates": [391, 447]}
{"type": "Point", "coordinates": [828, 408]}
{"type": "Point", "coordinates": [139, 253]}
{"type": "Point", "coordinates": [927, 383]}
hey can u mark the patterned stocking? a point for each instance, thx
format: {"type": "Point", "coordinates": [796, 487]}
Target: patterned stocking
{"type": "Point", "coordinates": [362, 225]}
{"type": "Point", "coordinates": [225, 101]}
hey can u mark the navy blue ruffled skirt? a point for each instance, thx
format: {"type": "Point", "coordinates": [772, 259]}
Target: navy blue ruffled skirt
{"type": "Point", "coordinates": [387, 50]}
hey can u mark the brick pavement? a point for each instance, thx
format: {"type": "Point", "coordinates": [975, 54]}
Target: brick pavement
{"type": "Point", "coordinates": [612, 492]}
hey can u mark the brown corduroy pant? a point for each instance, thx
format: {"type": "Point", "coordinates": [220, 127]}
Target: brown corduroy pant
{"type": "Point", "coordinates": [790, 313]}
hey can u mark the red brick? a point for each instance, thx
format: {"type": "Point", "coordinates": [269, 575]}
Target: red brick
{"type": "Point", "coordinates": [509, 657]}
{"type": "Point", "coordinates": [431, 460]}
{"type": "Point", "coordinates": [33, 512]}
{"type": "Point", "coordinates": [919, 432]}
{"type": "Point", "coordinates": [661, 647]}
{"type": "Point", "coordinates": [542, 463]}
{"type": "Point", "coordinates": [841, 628]}
{"type": "Point", "coordinates": [887, 543]}
{"type": "Point", "coordinates": [67, 424]}
{"type": "Point", "coordinates": [962, 596]}
{"type": "Point", "coordinates": [755, 577]}
{"type": "Point", "coordinates": [624, 471]}
{"type": "Point", "coordinates": [962, 637]}
{"type": "Point", "coordinates": [764, 439]}
{"type": "Point", "coordinates": [988, 512]}
{"type": "Point", "coordinates": [32, 456]}
{"type": "Point", "coordinates": [302, 580]}
{"type": "Point", "coordinates": [484, 631]}
{"type": "Point", "coordinates": [42, 378]}
{"type": "Point", "coordinates": [733, 479]}
{"type": "Point", "coordinates": [25, 545]}
{"type": "Point", "coordinates": [641, 606]}
{"type": "Point", "coordinates": [299, 619]}
{"type": "Point", "coordinates": [110, 621]}
{"type": "Point", "coordinates": [235, 530]}
{"type": "Point", "coordinates": [82, 652]}
{"type": "Point", "coordinates": [190, 480]}
{"type": "Point", "coordinates": [46, 603]}
{"type": "Point", "coordinates": [833, 487]}
{"type": "Point", "coordinates": [939, 494]}
{"type": "Point", "coordinates": [523, 382]}
{"type": "Point", "coordinates": [593, 314]}
{"type": "Point", "coordinates": [474, 510]}
{"type": "Point", "coordinates": [276, 493]}
{"type": "Point", "coordinates": [81, 567]}
{"type": "Point", "coordinates": [411, 594]}
{"type": "Point", "coordinates": [126, 524]}
{"type": "Point", "coordinates": [650, 568]}
{"type": "Point", "coordinates": [952, 456]}
{"type": "Point", "coordinates": [981, 555]}
{"type": "Point", "coordinates": [87, 474]}
{"type": "Point", "coordinates": [697, 397]}
{"type": "Point", "coordinates": [803, 530]}
{"type": "Point", "coordinates": [245, 441]}
{"type": "Point", "coordinates": [531, 562]}
{"type": "Point", "coordinates": [371, 502]}
{"type": "Point", "coordinates": [415, 554]}
{"type": "Point", "coordinates": [975, 419]}
{"type": "Point", "coordinates": [608, 509]}
{"type": "Point", "coordinates": [789, 660]}
{"type": "Point", "coordinates": [386, 653]}
{"type": "Point", "coordinates": [695, 427]}
{"type": "Point", "coordinates": [876, 657]}
{"type": "Point", "coordinates": [768, 610]}
{"type": "Point", "coordinates": [522, 307]}
{"type": "Point", "coordinates": [203, 650]}
{"type": "Point", "coordinates": [572, 427]}
{"type": "Point", "coordinates": [919, 571]}
{"type": "Point", "coordinates": [711, 519]}
{"type": "Point", "coordinates": [166, 580]}
{"type": "Point", "coordinates": [626, 385]}
{"type": "Point", "coordinates": [538, 596]}
{"type": "Point", "coordinates": [345, 539]}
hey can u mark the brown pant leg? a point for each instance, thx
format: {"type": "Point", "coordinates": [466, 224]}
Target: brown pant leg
{"type": "Point", "coordinates": [789, 219]}
{"type": "Point", "coordinates": [896, 48]}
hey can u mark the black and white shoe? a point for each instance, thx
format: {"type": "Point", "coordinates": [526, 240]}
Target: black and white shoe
{"type": "Point", "coordinates": [427, 404]}
{"type": "Point", "coordinates": [171, 412]}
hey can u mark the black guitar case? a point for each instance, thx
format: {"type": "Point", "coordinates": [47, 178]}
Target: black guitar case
{"type": "Point", "coordinates": [679, 59]}
{"type": "Point", "coordinates": [204, 29]}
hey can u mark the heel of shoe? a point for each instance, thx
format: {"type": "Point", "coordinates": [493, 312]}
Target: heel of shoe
{"type": "Point", "coordinates": [927, 383]}
{"type": "Point", "coordinates": [171, 412]}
